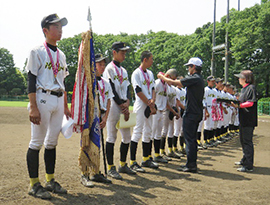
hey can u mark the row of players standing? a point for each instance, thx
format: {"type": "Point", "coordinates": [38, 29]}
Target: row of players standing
{"type": "Point", "coordinates": [156, 104]}
{"type": "Point", "coordinates": [220, 120]}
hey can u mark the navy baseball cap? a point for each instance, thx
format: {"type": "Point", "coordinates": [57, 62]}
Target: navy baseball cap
{"type": "Point", "coordinates": [211, 78]}
{"type": "Point", "coordinates": [219, 80]}
{"type": "Point", "coordinates": [120, 46]}
{"type": "Point", "coordinates": [99, 57]}
{"type": "Point", "coordinates": [53, 18]}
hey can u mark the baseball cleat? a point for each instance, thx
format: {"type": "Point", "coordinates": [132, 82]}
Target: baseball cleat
{"type": "Point", "coordinates": [164, 156]}
{"type": "Point", "coordinates": [39, 191]}
{"type": "Point", "coordinates": [174, 155]}
{"type": "Point", "coordinates": [126, 169]}
{"type": "Point", "coordinates": [150, 164]}
{"type": "Point", "coordinates": [100, 178]}
{"type": "Point", "coordinates": [86, 181]}
{"type": "Point", "coordinates": [160, 159]}
{"type": "Point", "coordinates": [179, 152]}
{"type": "Point", "coordinates": [114, 174]}
{"type": "Point", "coordinates": [55, 187]}
{"type": "Point", "coordinates": [137, 167]}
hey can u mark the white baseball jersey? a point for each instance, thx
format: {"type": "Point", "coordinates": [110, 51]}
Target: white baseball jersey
{"type": "Point", "coordinates": [172, 95]}
{"type": "Point", "coordinates": [40, 65]}
{"type": "Point", "coordinates": [119, 77]}
{"type": "Point", "coordinates": [182, 95]}
{"type": "Point", "coordinates": [178, 122]}
{"type": "Point", "coordinates": [51, 107]}
{"type": "Point", "coordinates": [161, 94]}
{"type": "Point", "coordinates": [209, 95]}
{"type": "Point", "coordinates": [105, 93]}
{"type": "Point", "coordinates": [144, 80]}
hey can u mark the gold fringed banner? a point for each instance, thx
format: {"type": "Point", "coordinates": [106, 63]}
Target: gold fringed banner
{"type": "Point", "coordinates": [89, 157]}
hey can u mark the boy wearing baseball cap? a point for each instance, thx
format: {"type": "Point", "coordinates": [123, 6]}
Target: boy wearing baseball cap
{"type": "Point", "coordinates": [118, 78]}
{"type": "Point", "coordinates": [47, 70]}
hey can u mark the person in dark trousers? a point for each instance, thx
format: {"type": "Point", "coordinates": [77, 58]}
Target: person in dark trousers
{"type": "Point", "coordinates": [248, 118]}
{"type": "Point", "coordinates": [194, 109]}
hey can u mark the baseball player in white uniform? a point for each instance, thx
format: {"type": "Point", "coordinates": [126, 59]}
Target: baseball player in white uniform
{"type": "Point", "coordinates": [47, 70]}
{"type": "Point", "coordinates": [168, 124]}
{"type": "Point", "coordinates": [226, 115]}
{"type": "Point", "coordinates": [178, 128]}
{"type": "Point", "coordinates": [161, 89]}
{"type": "Point", "coordinates": [230, 90]}
{"type": "Point", "coordinates": [118, 78]}
{"type": "Point", "coordinates": [143, 83]}
{"type": "Point", "coordinates": [210, 94]}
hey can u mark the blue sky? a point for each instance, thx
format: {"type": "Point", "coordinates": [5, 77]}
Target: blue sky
{"type": "Point", "coordinates": [20, 28]}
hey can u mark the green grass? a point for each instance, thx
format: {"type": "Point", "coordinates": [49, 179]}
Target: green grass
{"type": "Point", "coordinates": [13, 103]}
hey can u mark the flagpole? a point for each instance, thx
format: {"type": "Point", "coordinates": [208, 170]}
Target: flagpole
{"type": "Point", "coordinates": [89, 18]}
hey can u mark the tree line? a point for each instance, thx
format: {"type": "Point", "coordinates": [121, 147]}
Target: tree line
{"type": "Point", "coordinates": [249, 42]}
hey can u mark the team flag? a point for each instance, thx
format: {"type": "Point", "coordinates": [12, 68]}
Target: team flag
{"type": "Point", "coordinates": [85, 106]}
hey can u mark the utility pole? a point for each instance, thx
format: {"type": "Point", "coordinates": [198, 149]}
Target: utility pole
{"type": "Point", "coordinates": [238, 5]}
{"type": "Point", "coordinates": [213, 69]}
{"type": "Point", "coordinates": [227, 44]}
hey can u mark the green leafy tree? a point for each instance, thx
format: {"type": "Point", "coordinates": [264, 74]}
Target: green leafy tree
{"type": "Point", "coordinates": [10, 77]}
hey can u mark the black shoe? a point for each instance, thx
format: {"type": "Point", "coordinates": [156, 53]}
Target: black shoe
{"type": "Point", "coordinates": [165, 156]}
{"type": "Point", "coordinates": [183, 168]}
{"type": "Point", "coordinates": [199, 147]}
{"type": "Point", "coordinates": [222, 139]}
{"type": "Point", "coordinates": [39, 191]}
{"type": "Point", "coordinates": [179, 152]}
{"type": "Point", "coordinates": [126, 169]}
{"type": "Point", "coordinates": [174, 155]}
{"type": "Point", "coordinates": [114, 174]}
{"type": "Point", "coordinates": [150, 164]}
{"type": "Point", "coordinates": [183, 151]}
{"type": "Point", "coordinates": [207, 144]}
{"type": "Point", "coordinates": [137, 168]}
{"type": "Point", "coordinates": [55, 187]}
{"type": "Point", "coordinates": [86, 181]}
{"type": "Point", "coordinates": [100, 178]}
{"type": "Point", "coordinates": [219, 142]}
{"type": "Point", "coordinates": [244, 169]}
{"type": "Point", "coordinates": [160, 159]}
{"type": "Point", "coordinates": [152, 160]}
{"type": "Point", "coordinates": [204, 146]}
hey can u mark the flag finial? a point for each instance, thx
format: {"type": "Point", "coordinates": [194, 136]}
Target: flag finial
{"type": "Point", "coordinates": [89, 18]}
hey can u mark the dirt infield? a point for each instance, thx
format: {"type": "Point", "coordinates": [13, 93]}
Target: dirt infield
{"type": "Point", "coordinates": [217, 183]}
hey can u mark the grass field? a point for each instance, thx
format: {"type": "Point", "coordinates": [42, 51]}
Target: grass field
{"type": "Point", "coordinates": [24, 104]}
{"type": "Point", "coordinates": [13, 104]}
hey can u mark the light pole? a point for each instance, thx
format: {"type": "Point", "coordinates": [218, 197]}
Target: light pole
{"type": "Point", "coordinates": [227, 44]}
{"type": "Point", "coordinates": [213, 69]}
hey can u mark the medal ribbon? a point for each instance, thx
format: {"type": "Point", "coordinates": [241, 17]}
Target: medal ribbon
{"type": "Point", "coordinates": [102, 91]}
{"type": "Point", "coordinates": [55, 68]}
{"type": "Point", "coordinates": [146, 77]}
{"type": "Point", "coordinates": [120, 76]}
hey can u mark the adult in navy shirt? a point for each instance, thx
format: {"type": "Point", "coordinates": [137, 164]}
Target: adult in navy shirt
{"type": "Point", "coordinates": [248, 118]}
{"type": "Point", "coordinates": [194, 109]}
